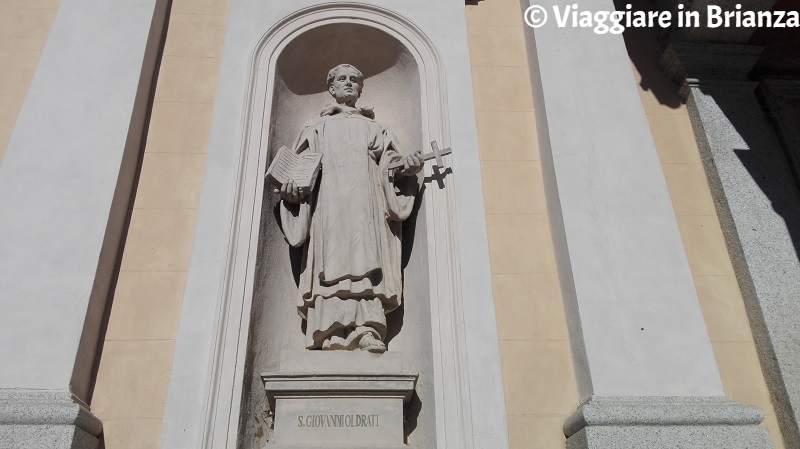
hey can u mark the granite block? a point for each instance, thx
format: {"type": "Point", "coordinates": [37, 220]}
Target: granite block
{"type": "Point", "coordinates": [665, 422]}
{"type": "Point", "coordinates": [46, 420]}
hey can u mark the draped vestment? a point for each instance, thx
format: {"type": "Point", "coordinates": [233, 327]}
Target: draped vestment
{"type": "Point", "coordinates": [350, 228]}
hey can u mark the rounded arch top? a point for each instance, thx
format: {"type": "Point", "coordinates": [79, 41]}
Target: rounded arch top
{"type": "Point", "coordinates": [302, 20]}
{"type": "Point", "coordinates": [417, 49]}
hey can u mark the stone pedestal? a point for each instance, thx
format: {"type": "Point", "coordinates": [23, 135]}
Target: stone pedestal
{"type": "Point", "coordinates": [338, 400]}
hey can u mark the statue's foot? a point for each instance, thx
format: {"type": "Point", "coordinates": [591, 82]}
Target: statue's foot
{"type": "Point", "coordinates": [369, 343]}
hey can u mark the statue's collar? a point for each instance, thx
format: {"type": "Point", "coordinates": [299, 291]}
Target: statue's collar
{"type": "Point", "coordinates": [344, 109]}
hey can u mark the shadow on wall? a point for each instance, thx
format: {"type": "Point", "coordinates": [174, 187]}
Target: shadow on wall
{"type": "Point", "coordinates": [645, 52]}
{"type": "Point", "coordinates": [765, 161]}
{"type": "Point", "coordinates": [301, 71]}
{"type": "Point", "coordinates": [781, 45]}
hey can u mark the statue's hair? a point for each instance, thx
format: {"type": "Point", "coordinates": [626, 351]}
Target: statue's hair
{"type": "Point", "coordinates": [332, 74]}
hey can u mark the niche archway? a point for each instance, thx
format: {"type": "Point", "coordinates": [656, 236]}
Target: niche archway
{"type": "Point", "coordinates": [393, 88]}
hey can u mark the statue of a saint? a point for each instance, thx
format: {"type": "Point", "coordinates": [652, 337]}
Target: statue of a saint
{"type": "Point", "coordinates": [350, 224]}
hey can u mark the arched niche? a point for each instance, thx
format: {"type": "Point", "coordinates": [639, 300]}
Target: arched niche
{"type": "Point", "coordinates": [297, 93]}
{"type": "Point", "coordinates": [212, 389]}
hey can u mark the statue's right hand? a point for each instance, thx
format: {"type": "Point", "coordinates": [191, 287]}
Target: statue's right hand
{"type": "Point", "coordinates": [291, 193]}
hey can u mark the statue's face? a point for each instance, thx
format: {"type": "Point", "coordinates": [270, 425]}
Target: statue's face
{"type": "Point", "coordinates": [346, 85]}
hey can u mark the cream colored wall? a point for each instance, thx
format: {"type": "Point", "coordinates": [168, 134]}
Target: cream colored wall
{"type": "Point", "coordinates": [540, 388]}
{"type": "Point", "coordinates": [137, 355]}
{"type": "Point", "coordinates": [720, 298]}
{"type": "Point", "coordinates": [24, 25]}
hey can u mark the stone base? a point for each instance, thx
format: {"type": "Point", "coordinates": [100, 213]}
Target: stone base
{"type": "Point", "coordinates": [338, 399]}
{"type": "Point", "coordinates": [666, 422]}
{"type": "Point", "coordinates": [46, 420]}
{"type": "Point", "coordinates": [46, 437]}
{"type": "Point", "coordinates": [670, 437]}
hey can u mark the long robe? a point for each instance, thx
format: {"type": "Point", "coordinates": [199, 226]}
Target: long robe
{"type": "Point", "coordinates": [351, 274]}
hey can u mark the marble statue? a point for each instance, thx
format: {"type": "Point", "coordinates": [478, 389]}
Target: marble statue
{"type": "Point", "coordinates": [350, 225]}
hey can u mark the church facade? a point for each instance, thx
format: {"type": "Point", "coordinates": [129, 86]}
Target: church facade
{"type": "Point", "coordinates": [608, 257]}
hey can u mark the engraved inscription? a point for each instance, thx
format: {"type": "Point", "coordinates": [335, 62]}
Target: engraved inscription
{"type": "Point", "coordinates": [337, 421]}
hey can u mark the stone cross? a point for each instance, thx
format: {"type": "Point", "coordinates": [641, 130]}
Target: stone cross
{"type": "Point", "coordinates": [435, 154]}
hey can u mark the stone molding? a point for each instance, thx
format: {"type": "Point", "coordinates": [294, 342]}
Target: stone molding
{"type": "Point", "coordinates": [46, 419]}
{"type": "Point", "coordinates": [694, 83]}
{"type": "Point", "coordinates": [35, 407]}
{"type": "Point", "coordinates": [671, 437]}
{"type": "Point", "coordinates": [332, 385]}
{"type": "Point", "coordinates": [654, 422]}
{"type": "Point", "coordinates": [661, 411]}
{"type": "Point", "coordinates": [682, 60]}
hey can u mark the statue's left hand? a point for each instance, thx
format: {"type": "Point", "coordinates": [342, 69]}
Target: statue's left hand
{"type": "Point", "coordinates": [291, 193]}
{"type": "Point", "coordinates": [412, 164]}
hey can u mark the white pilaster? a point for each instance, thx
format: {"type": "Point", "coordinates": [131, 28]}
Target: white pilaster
{"type": "Point", "coordinates": [65, 187]}
{"type": "Point", "coordinates": [636, 326]}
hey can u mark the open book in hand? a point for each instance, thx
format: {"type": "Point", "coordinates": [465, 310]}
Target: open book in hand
{"type": "Point", "coordinates": [303, 169]}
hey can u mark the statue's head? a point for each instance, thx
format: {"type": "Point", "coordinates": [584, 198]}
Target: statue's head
{"type": "Point", "coordinates": [345, 84]}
